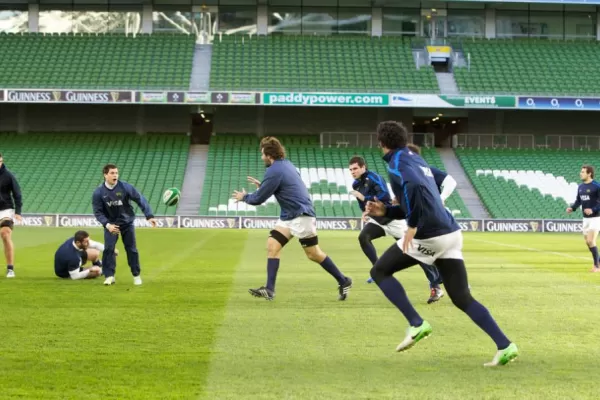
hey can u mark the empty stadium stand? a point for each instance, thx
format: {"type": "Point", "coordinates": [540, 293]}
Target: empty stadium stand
{"type": "Point", "coordinates": [526, 183]}
{"type": "Point", "coordinates": [320, 63]}
{"type": "Point", "coordinates": [530, 67]}
{"type": "Point", "coordinates": [324, 171]}
{"type": "Point", "coordinates": [83, 61]}
{"type": "Point", "coordinates": [55, 180]}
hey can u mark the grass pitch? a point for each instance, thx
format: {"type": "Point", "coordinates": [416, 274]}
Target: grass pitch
{"type": "Point", "coordinates": [193, 332]}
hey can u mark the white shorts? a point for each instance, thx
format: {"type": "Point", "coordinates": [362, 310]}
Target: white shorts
{"type": "Point", "coordinates": [429, 250]}
{"type": "Point", "coordinates": [591, 224]}
{"type": "Point", "coordinates": [301, 227]}
{"type": "Point", "coordinates": [395, 228]}
{"type": "Point", "coordinates": [7, 215]}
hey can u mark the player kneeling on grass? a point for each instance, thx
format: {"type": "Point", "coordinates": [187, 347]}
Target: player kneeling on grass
{"type": "Point", "coordinates": [74, 253]}
{"type": "Point", "coordinates": [297, 218]}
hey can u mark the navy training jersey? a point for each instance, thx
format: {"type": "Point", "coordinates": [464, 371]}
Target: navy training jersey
{"type": "Point", "coordinates": [588, 196]}
{"type": "Point", "coordinates": [113, 206]}
{"type": "Point", "coordinates": [373, 185]}
{"type": "Point", "coordinates": [283, 181]}
{"type": "Point", "coordinates": [415, 188]}
{"type": "Point", "coordinates": [67, 258]}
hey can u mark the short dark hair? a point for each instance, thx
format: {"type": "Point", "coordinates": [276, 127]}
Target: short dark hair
{"type": "Point", "coordinates": [589, 169]}
{"type": "Point", "coordinates": [272, 147]}
{"type": "Point", "coordinates": [108, 167]}
{"type": "Point", "coordinates": [358, 160]}
{"type": "Point", "coordinates": [414, 148]}
{"type": "Point", "coordinates": [392, 135]}
{"type": "Point", "coordinates": [80, 235]}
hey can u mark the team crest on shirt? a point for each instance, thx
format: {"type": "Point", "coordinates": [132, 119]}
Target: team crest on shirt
{"type": "Point", "coordinates": [119, 194]}
{"type": "Point", "coordinates": [588, 190]}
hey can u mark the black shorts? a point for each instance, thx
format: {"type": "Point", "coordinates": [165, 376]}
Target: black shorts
{"type": "Point", "coordinates": [8, 223]}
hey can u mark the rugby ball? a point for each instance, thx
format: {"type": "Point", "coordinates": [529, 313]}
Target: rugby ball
{"type": "Point", "coordinates": [171, 197]}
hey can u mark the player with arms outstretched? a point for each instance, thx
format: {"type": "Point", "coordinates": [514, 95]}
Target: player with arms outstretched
{"type": "Point", "coordinates": [433, 237]}
{"type": "Point", "coordinates": [588, 197]}
{"type": "Point", "coordinates": [73, 255]}
{"type": "Point", "coordinates": [10, 210]}
{"type": "Point", "coordinates": [297, 218]}
{"type": "Point", "coordinates": [113, 210]}
{"type": "Point", "coordinates": [368, 186]}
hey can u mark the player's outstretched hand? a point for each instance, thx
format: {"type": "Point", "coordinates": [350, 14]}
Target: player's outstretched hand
{"type": "Point", "coordinates": [588, 211]}
{"type": "Point", "coordinates": [569, 210]}
{"type": "Point", "coordinates": [375, 208]}
{"type": "Point", "coordinates": [152, 222]}
{"type": "Point", "coordinates": [116, 252]}
{"type": "Point", "coordinates": [18, 218]}
{"type": "Point", "coordinates": [358, 195]}
{"type": "Point", "coordinates": [238, 196]}
{"type": "Point", "coordinates": [254, 181]}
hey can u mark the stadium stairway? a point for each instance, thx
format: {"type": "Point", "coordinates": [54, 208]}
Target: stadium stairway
{"type": "Point", "coordinates": [464, 187]}
{"type": "Point", "coordinates": [200, 80]}
{"type": "Point", "coordinates": [526, 183]}
{"type": "Point", "coordinates": [324, 172]}
{"type": "Point", "coordinates": [193, 180]}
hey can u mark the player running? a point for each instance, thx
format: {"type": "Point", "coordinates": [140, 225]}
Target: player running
{"type": "Point", "coordinates": [367, 186]}
{"type": "Point", "coordinates": [588, 197]}
{"type": "Point", "coordinates": [297, 217]}
{"type": "Point", "coordinates": [433, 237]}
{"type": "Point", "coordinates": [112, 207]}
{"type": "Point", "coordinates": [74, 253]}
{"type": "Point", "coordinates": [10, 210]}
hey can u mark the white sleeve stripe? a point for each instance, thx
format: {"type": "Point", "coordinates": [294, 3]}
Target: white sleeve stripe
{"type": "Point", "coordinates": [448, 186]}
{"type": "Point", "coordinates": [77, 274]}
{"type": "Point", "coordinates": [96, 245]}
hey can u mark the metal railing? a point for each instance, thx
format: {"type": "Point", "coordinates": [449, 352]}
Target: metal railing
{"type": "Point", "coordinates": [368, 139]}
{"type": "Point", "coordinates": [528, 141]}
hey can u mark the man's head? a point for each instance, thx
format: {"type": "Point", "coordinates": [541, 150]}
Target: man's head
{"type": "Point", "coordinates": [414, 148]}
{"type": "Point", "coordinates": [357, 166]}
{"type": "Point", "coordinates": [81, 239]}
{"type": "Point", "coordinates": [587, 173]}
{"type": "Point", "coordinates": [391, 135]}
{"type": "Point", "coordinates": [271, 150]}
{"type": "Point", "coordinates": [111, 174]}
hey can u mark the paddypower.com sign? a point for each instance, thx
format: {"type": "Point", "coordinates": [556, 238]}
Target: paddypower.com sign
{"type": "Point", "coordinates": [325, 99]}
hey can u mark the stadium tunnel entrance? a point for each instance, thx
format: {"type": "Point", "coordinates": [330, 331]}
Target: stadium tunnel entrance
{"type": "Point", "coordinates": [201, 125]}
{"type": "Point", "coordinates": [441, 125]}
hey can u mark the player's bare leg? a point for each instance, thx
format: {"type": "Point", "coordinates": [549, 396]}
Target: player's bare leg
{"type": "Point", "coordinates": [315, 254]}
{"type": "Point", "coordinates": [9, 250]}
{"type": "Point", "coordinates": [278, 238]}
{"type": "Point", "coordinates": [590, 240]}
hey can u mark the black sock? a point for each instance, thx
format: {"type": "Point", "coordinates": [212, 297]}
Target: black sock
{"type": "Point", "coordinates": [10, 267]}
{"type": "Point", "coordinates": [97, 263]}
{"type": "Point", "coordinates": [272, 268]}
{"type": "Point", "coordinates": [329, 266]}
{"type": "Point", "coordinates": [594, 251]}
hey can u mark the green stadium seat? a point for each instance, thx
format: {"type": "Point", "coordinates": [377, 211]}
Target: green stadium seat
{"type": "Point", "coordinates": [93, 61]}
{"type": "Point", "coordinates": [55, 181]}
{"type": "Point", "coordinates": [323, 170]}
{"type": "Point", "coordinates": [336, 64]}
{"type": "Point", "coordinates": [525, 183]}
